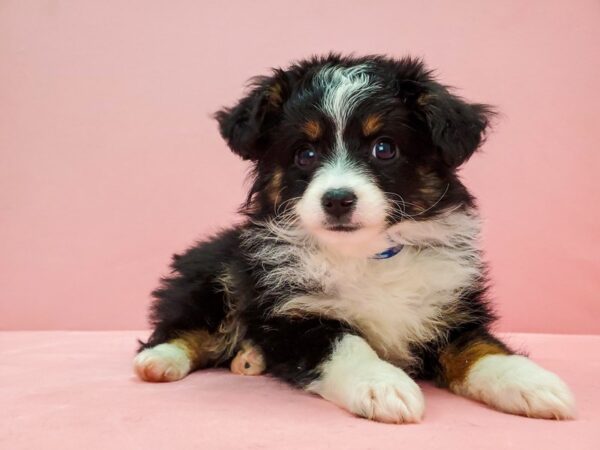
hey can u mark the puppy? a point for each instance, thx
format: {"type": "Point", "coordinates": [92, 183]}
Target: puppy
{"type": "Point", "coordinates": [358, 268]}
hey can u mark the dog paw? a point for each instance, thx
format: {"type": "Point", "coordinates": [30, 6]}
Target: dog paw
{"type": "Point", "coordinates": [165, 362]}
{"type": "Point", "coordinates": [516, 385]}
{"type": "Point", "coordinates": [248, 361]}
{"type": "Point", "coordinates": [356, 379]}
{"type": "Point", "coordinates": [388, 396]}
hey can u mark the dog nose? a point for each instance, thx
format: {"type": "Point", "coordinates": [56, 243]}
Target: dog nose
{"type": "Point", "coordinates": [337, 202]}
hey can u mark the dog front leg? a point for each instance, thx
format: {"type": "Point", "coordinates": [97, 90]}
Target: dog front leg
{"type": "Point", "coordinates": [326, 358]}
{"type": "Point", "coordinates": [479, 366]}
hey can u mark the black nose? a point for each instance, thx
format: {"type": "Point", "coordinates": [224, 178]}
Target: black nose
{"type": "Point", "coordinates": [338, 202]}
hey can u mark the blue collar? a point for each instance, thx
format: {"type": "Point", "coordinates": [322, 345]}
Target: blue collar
{"type": "Point", "coordinates": [388, 253]}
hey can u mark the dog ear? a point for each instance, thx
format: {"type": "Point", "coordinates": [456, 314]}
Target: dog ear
{"type": "Point", "coordinates": [245, 126]}
{"type": "Point", "coordinates": [457, 128]}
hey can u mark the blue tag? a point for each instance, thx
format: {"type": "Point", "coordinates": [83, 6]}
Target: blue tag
{"type": "Point", "coordinates": [392, 251]}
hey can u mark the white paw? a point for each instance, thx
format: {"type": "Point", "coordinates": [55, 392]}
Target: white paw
{"type": "Point", "coordinates": [387, 394]}
{"type": "Point", "coordinates": [357, 380]}
{"type": "Point", "coordinates": [517, 385]}
{"type": "Point", "coordinates": [165, 362]}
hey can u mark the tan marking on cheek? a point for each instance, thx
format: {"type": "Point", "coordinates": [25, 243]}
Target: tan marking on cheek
{"type": "Point", "coordinates": [456, 362]}
{"type": "Point", "coordinates": [418, 206]}
{"type": "Point", "coordinates": [274, 187]}
{"type": "Point", "coordinates": [372, 124]}
{"type": "Point", "coordinates": [431, 186]}
{"type": "Point", "coordinates": [312, 129]}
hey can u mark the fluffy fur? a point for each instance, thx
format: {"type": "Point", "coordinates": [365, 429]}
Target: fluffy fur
{"type": "Point", "coordinates": [352, 157]}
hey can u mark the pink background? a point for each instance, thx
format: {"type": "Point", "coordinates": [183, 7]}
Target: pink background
{"type": "Point", "coordinates": [109, 161]}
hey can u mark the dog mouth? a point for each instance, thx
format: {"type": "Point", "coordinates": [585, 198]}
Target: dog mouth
{"type": "Point", "coordinates": [342, 228]}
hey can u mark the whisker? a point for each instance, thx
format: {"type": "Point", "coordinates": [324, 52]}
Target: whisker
{"type": "Point", "coordinates": [402, 207]}
{"type": "Point", "coordinates": [437, 201]}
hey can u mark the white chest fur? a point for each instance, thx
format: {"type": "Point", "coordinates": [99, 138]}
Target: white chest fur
{"type": "Point", "coordinates": [407, 299]}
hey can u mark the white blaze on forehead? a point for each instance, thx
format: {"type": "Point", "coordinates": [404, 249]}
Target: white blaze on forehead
{"type": "Point", "coordinates": [344, 88]}
{"type": "Point", "coordinates": [340, 172]}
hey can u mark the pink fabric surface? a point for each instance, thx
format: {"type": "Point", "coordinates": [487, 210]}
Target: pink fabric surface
{"type": "Point", "coordinates": [76, 390]}
{"type": "Point", "coordinates": [110, 161]}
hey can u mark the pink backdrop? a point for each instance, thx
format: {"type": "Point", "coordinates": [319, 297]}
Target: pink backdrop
{"type": "Point", "coordinates": [109, 161]}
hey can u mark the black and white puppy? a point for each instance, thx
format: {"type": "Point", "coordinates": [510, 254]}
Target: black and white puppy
{"type": "Point", "coordinates": [358, 267]}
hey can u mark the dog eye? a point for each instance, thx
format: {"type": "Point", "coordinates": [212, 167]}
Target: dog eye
{"type": "Point", "coordinates": [306, 157]}
{"type": "Point", "coordinates": [385, 149]}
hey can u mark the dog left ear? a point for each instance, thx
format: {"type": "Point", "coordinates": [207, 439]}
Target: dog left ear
{"type": "Point", "coordinates": [457, 128]}
{"type": "Point", "coordinates": [245, 126]}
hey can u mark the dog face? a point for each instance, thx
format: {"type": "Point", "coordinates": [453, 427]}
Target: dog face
{"type": "Point", "coordinates": [345, 148]}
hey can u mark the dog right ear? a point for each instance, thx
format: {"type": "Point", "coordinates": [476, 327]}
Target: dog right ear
{"type": "Point", "coordinates": [245, 126]}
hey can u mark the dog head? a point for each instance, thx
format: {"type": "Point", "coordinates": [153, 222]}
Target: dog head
{"type": "Point", "coordinates": [345, 148]}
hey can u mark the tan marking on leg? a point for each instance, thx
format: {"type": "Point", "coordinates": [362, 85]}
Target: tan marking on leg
{"type": "Point", "coordinates": [201, 347]}
{"type": "Point", "coordinates": [206, 349]}
{"type": "Point", "coordinates": [457, 361]}
{"type": "Point", "coordinates": [231, 330]}
{"type": "Point", "coordinates": [312, 129]}
{"type": "Point", "coordinates": [372, 124]}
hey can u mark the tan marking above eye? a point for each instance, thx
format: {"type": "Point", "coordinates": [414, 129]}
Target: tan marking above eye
{"type": "Point", "coordinates": [312, 129]}
{"type": "Point", "coordinates": [372, 124]}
